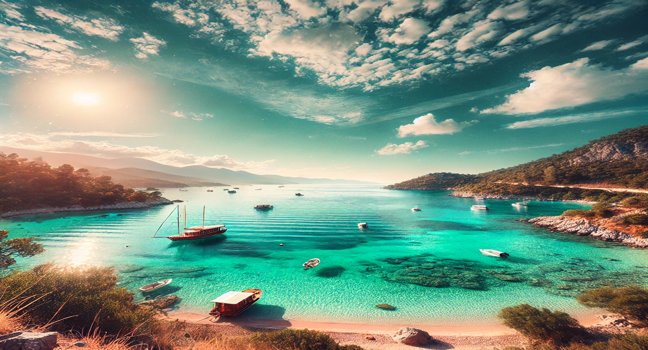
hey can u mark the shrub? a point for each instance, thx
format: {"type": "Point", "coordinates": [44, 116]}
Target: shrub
{"type": "Point", "coordinates": [578, 212]}
{"type": "Point", "coordinates": [77, 299]}
{"type": "Point", "coordinates": [639, 201]}
{"type": "Point", "coordinates": [298, 339]}
{"type": "Point", "coordinates": [631, 302]}
{"type": "Point", "coordinates": [636, 219]}
{"type": "Point", "coordinates": [602, 210]}
{"type": "Point", "coordinates": [542, 325]}
{"type": "Point", "coordinates": [10, 248]}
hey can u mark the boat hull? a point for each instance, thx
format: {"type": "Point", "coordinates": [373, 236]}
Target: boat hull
{"type": "Point", "coordinates": [198, 236]}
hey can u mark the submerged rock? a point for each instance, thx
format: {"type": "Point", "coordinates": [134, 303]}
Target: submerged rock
{"type": "Point", "coordinates": [331, 271]}
{"type": "Point", "coordinates": [412, 336]}
{"type": "Point", "coordinates": [386, 307]}
{"type": "Point", "coordinates": [28, 341]}
{"type": "Point", "coordinates": [161, 303]}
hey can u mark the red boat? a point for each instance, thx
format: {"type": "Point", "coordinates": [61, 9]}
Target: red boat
{"type": "Point", "coordinates": [195, 232]}
{"type": "Point", "coordinates": [232, 304]}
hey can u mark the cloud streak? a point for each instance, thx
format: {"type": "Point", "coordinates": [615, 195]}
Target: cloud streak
{"type": "Point", "coordinates": [573, 119]}
{"type": "Point", "coordinates": [402, 148]}
{"type": "Point", "coordinates": [428, 125]}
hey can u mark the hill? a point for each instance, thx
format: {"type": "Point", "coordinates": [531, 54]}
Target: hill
{"type": "Point", "coordinates": [27, 185]}
{"type": "Point", "coordinates": [140, 178]}
{"type": "Point", "coordinates": [618, 160]}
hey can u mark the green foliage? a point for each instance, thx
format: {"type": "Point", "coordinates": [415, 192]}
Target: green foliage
{"type": "Point", "coordinates": [9, 248]}
{"type": "Point", "coordinates": [602, 210]}
{"type": "Point", "coordinates": [298, 339]}
{"type": "Point", "coordinates": [28, 184]}
{"type": "Point", "coordinates": [636, 201]}
{"type": "Point", "coordinates": [578, 212]}
{"type": "Point", "coordinates": [631, 302]}
{"type": "Point", "coordinates": [636, 219]}
{"type": "Point", "coordinates": [80, 299]}
{"type": "Point", "coordinates": [543, 325]}
{"type": "Point", "coordinates": [435, 181]}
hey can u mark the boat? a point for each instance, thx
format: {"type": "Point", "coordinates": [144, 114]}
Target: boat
{"type": "Point", "coordinates": [210, 190]}
{"type": "Point", "coordinates": [479, 207]}
{"type": "Point", "coordinates": [299, 194]}
{"type": "Point", "coordinates": [155, 285]}
{"type": "Point", "coordinates": [195, 232]}
{"type": "Point", "coordinates": [281, 186]}
{"type": "Point", "coordinates": [264, 207]}
{"type": "Point", "coordinates": [520, 205]}
{"type": "Point", "coordinates": [236, 188]}
{"type": "Point", "coordinates": [495, 253]}
{"type": "Point", "coordinates": [225, 189]}
{"type": "Point", "coordinates": [311, 263]}
{"type": "Point", "coordinates": [362, 225]}
{"type": "Point", "coordinates": [182, 190]}
{"type": "Point", "coordinates": [415, 209]}
{"type": "Point", "coordinates": [231, 191]}
{"type": "Point", "coordinates": [233, 303]}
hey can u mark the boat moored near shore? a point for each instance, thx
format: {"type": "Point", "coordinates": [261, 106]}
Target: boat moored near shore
{"type": "Point", "coordinates": [494, 253]}
{"type": "Point", "coordinates": [233, 303]}
{"type": "Point", "coordinates": [479, 207]}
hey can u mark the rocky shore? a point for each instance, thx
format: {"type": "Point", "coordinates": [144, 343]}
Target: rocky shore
{"type": "Point", "coordinates": [79, 208]}
{"type": "Point", "coordinates": [584, 227]}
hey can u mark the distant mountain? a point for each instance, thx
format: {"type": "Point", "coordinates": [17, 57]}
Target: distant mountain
{"type": "Point", "coordinates": [619, 160]}
{"type": "Point", "coordinates": [190, 174]}
{"type": "Point", "coordinates": [139, 178]}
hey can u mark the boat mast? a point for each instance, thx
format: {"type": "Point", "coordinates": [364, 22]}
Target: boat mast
{"type": "Point", "coordinates": [178, 218]}
{"type": "Point", "coordinates": [203, 216]}
{"type": "Point", "coordinates": [185, 216]}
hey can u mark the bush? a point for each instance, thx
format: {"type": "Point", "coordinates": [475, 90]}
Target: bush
{"type": "Point", "coordinates": [631, 302]}
{"type": "Point", "coordinates": [298, 339]}
{"type": "Point", "coordinates": [602, 210]}
{"type": "Point", "coordinates": [543, 325]}
{"type": "Point", "coordinates": [80, 299]}
{"type": "Point", "coordinates": [578, 212]}
{"type": "Point", "coordinates": [636, 219]}
{"type": "Point", "coordinates": [639, 201]}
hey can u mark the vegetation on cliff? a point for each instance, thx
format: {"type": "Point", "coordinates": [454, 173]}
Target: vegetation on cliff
{"type": "Point", "coordinates": [26, 184]}
{"type": "Point", "coordinates": [10, 248]}
{"type": "Point", "coordinates": [435, 181]}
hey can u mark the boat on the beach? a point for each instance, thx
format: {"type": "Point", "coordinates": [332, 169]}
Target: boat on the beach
{"type": "Point", "coordinates": [520, 205]}
{"type": "Point", "coordinates": [155, 285]}
{"type": "Point", "coordinates": [299, 194]}
{"type": "Point", "coordinates": [362, 225]}
{"type": "Point", "coordinates": [478, 207]}
{"type": "Point", "coordinates": [415, 209]}
{"type": "Point", "coordinates": [494, 253]}
{"type": "Point", "coordinates": [311, 263]}
{"type": "Point", "coordinates": [233, 303]}
{"type": "Point", "coordinates": [263, 207]}
{"type": "Point", "coordinates": [194, 232]}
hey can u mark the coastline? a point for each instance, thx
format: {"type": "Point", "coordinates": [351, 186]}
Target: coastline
{"type": "Point", "coordinates": [82, 209]}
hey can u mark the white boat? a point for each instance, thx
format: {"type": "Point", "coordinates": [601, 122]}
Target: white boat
{"type": "Point", "coordinates": [520, 205]}
{"type": "Point", "coordinates": [415, 209]}
{"type": "Point", "coordinates": [155, 285]}
{"type": "Point", "coordinates": [495, 253]}
{"type": "Point", "coordinates": [479, 207]}
{"type": "Point", "coordinates": [362, 225]}
{"type": "Point", "coordinates": [311, 263]}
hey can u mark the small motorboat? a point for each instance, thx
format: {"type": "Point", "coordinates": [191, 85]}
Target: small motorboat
{"type": "Point", "coordinates": [236, 188]}
{"type": "Point", "coordinates": [299, 194]}
{"type": "Point", "coordinates": [233, 303]}
{"type": "Point", "coordinates": [155, 285]}
{"type": "Point", "coordinates": [362, 225]}
{"type": "Point", "coordinates": [225, 189]}
{"type": "Point", "coordinates": [210, 190]}
{"type": "Point", "coordinates": [281, 186]}
{"type": "Point", "coordinates": [415, 209]}
{"type": "Point", "coordinates": [263, 207]}
{"type": "Point", "coordinates": [520, 205]}
{"type": "Point", "coordinates": [494, 253]}
{"type": "Point", "coordinates": [311, 263]}
{"type": "Point", "coordinates": [478, 207]}
{"type": "Point", "coordinates": [231, 191]}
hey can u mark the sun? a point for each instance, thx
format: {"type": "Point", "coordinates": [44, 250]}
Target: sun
{"type": "Point", "coordinates": [85, 98]}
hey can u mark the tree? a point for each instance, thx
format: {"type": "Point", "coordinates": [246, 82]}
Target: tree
{"type": "Point", "coordinates": [631, 302]}
{"type": "Point", "coordinates": [9, 248]}
{"type": "Point", "coordinates": [543, 325]}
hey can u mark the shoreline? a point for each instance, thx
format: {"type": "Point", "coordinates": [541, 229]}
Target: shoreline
{"type": "Point", "coordinates": [82, 209]}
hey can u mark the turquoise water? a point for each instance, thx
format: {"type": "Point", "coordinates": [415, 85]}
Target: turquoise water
{"type": "Point", "coordinates": [427, 264]}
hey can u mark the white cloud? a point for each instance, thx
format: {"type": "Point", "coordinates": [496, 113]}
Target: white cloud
{"type": "Point", "coordinates": [428, 125]}
{"type": "Point", "coordinates": [102, 27]}
{"type": "Point", "coordinates": [599, 45]}
{"type": "Point", "coordinates": [632, 44]}
{"type": "Point", "coordinates": [174, 157]}
{"type": "Point", "coordinates": [397, 8]}
{"type": "Point", "coordinates": [363, 10]}
{"type": "Point", "coordinates": [147, 45]}
{"type": "Point", "coordinates": [36, 51]}
{"type": "Point", "coordinates": [306, 8]}
{"type": "Point", "coordinates": [574, 84]}
{"type": "Point", "coordinates": [408, 32]}
{"type": "Point", "coordinates": [548, 33]}
{"type": "Point", "coordinates": [402, 148]}
{"type": "Point", "coordinates": [11, 10]}
{"type": "Point", "coordinates": [512, 12]}
{"type": "Point", "coordinates": [482, 32]}
{"type": "Point", "coordinates": [189, 115]}
{"type": "Point", "coordinates": [100, 134]}
{"type": "Point", "coordinates": [573, 119]}
{"type": "Point", "coordinates": [513, 37]}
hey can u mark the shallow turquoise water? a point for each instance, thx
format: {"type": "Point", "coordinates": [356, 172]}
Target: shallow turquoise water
{"type": "Point", "coordinates": [427, 263]}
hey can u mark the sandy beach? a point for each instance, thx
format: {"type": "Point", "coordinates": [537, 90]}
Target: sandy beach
{"type": "Point", "coordinates": [479, 334]}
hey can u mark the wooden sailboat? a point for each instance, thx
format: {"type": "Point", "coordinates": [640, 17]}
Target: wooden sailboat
{"type": "Point", "coordinates": [233, 304]}
{"type": "Point", "coordinates": [195, 232]}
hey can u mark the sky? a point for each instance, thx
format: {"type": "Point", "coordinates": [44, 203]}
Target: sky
{"type": "Point", "coordinates": [353, 89]}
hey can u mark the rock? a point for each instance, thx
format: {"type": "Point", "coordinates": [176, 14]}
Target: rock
{"type": "Point", "coordinates": [412, 336]}
{"type": "Point", "coordinates": [370, 337]}
{"type": "Point", "coordinates": [583, 227]}
{"type": "Point", "coordinates": [163, 302]}
{"type": "Point", "coordinates": [386, 307]}
{"type": "Point", "coordinates": [28, 341]}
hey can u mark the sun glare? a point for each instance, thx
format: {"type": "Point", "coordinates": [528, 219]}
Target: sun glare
{"type": "Point", "coordinates": [84, 98]}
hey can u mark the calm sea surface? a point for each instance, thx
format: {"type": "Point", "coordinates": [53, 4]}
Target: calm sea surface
{"type": "Point", "coordinates": [427, 264]}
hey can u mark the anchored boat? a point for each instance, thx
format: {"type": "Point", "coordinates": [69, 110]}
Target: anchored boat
{"type": "Point", "coordinates": [478, 207]}
{"type": "Point", "coordinates": [263, 207]}
{"type": "Point", "coordinates": [194, 232]}
{"type": "Point", "coordinates": [495, 253]}
{"type": "Point", "coordinates": [155, 285]}
{"type": "Point", "coordinates": [232, 304]}
{"type": "Point", "coordinates": [311, 263]}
